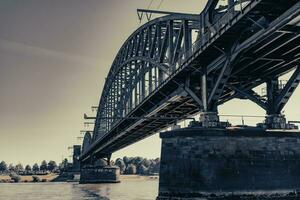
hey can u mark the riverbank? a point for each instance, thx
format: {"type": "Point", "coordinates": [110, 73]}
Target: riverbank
{"type": "Point", "coordinates": [138, 177]}
{"type": "Point", "coordinates": [53, 178]}
{"type": "Point", "coordinates": [27, 179]}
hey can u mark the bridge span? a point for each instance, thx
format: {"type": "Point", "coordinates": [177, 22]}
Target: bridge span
{"type": "Point", "coordinates": [178, 65]}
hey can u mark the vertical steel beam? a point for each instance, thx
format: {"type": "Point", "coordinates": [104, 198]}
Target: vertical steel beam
{"type": "Point", "coordinates": [146, 41]}
{"type": "Point", "coordinates": [186, 35]}
{"type": "Point", "coordinates": [171, 45]}
{"type": "Point", "coordinates": [154, 42]}
{"type": "Point", "coordinates": [149, 43]}
{"type": "Point", "coordinates": [155, 76]}
{"type": "Point", "coordinates": [130, 90]}
{"type": "Point", "coordinates": [204, 90]}
{"type": "Point", "coordinates": [138, 44]}
{"type": "Point", "coordinates": [136, 86]}
{"type": "Point", "coordinates": [159, 41]}
{"type": "Point", "coordinates": [150, 78]}
{"type": "Point", "coordinates": [142, 75]}
{"type": "Point", "coordinates": [160, 76]}
{"type": "Point", "coordinates": [126, 52]}
{"type": "Point", "coordinates": [164, 46]}
{"type": "Point", "coordinates": [142, 43]}
{"type": "Point", "coordinates": [272, 89]}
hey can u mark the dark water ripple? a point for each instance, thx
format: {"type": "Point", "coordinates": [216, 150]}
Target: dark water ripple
{"type": "Point", "coordinates": [127, 190]}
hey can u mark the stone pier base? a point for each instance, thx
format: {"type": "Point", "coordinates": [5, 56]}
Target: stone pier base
{"type": "Point", "coordinates": [199, 163]}
{"type": "Point", "coordinates": [108, 174]}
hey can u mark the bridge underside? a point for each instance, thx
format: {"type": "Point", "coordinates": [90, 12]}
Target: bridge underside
{"type": "Point", "coordinates": [256, 46]}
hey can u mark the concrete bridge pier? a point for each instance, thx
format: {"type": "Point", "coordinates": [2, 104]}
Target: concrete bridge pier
{"type": "Point", "coordinates": [98, 170]}
{"type": "Point", "coordinates": [200, 162]}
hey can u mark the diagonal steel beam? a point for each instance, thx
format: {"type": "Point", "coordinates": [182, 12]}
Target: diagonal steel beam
{"type": "Point", "coordinates": [194, 96]}
{"type": "Point", "coordinates": [177, 44]}
{"type": "Point", "coordinates": [223, 76]}
{"type": "Point", "coordinates": [288, 90]}
{"type": "Point", "coordinates": [249, 94]}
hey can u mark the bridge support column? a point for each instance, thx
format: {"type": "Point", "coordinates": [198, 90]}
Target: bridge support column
{"type": "Point", "coordinates": [277, 97]}
{"type": "Point", "coordinates": [108, 160]}
{"type": "Point", "coordinates": [209, 116]}
{"type": "Point", "coordinates": [215, 163]}
{"type": "Point", "coordinates": [99, 171]}
{"type": "Point", "coordinates": [209, 119]}
{"type": "Point", "coordinates": [276, 121]}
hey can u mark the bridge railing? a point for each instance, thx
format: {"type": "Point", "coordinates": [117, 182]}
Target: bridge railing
{"type": "Point", "coordinates": [212, 32]}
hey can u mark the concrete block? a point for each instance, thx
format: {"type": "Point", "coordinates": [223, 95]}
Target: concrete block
{"type": "Point", "coordinates": [207, 161]}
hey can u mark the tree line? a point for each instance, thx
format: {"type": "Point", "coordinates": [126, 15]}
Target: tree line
{"type": "Point", "coordinates": [138, 165]}
{"type": "Point", "coordinates": [127, 165]}
{"type": "Point", "coordinates": [45, 166]}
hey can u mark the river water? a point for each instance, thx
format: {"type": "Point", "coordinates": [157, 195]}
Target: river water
{"type": "Point", "coordinates": [131, 189]}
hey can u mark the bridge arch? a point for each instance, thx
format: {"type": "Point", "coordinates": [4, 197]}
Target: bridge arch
{"type": "Point", "coordinates": [145, 59]}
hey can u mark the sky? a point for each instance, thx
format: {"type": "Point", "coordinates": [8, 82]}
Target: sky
{"type": "Point", "coordinates": [54, 57]}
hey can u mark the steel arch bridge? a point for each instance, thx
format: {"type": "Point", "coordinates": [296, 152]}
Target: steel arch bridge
{"type": "Point", "coordinates": [181, 64]}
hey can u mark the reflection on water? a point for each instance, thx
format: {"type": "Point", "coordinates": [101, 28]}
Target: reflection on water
{"type": "Point", "coordinates": [135, 189]}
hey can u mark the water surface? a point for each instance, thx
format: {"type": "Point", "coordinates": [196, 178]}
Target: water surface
{"type": "Point", "coordinates": [131, 189]}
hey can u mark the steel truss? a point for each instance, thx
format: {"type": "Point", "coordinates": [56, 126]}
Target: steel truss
{"type": "Point", "coordinates": [181, 64]}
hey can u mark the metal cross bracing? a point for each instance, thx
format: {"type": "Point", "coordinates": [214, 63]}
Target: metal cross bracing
{"type": "Point", "coordinates": [181, 64]}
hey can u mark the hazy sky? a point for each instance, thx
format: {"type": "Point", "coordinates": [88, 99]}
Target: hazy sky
{"type": "Point", "coordinates": [54, 56]}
